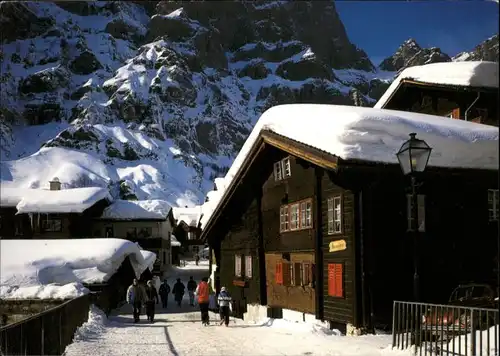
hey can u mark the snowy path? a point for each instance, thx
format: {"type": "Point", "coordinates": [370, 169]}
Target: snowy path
{"type": "Point", "coordinates": [178, 332]}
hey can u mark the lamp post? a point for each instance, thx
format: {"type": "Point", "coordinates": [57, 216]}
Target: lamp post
{"type": "Point", "coordinates": [413, 157]}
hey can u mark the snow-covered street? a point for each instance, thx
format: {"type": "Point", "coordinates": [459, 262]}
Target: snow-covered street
{"type": "Point", "coordinates": [178, 331]}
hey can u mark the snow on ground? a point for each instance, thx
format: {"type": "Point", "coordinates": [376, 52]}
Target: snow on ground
{"type": "Point", "coordinates": [178, 331]}
{"type": "Point", "coordinates": [137, 209]}
{"type": "Point", "coordinates": [368, 134]}
{"type": "Point", "coordinates": [468, 74]}
{"type": "Point", "coordinates": [74, 200]}
{"type": "Point", "coordinates": [57, 268]}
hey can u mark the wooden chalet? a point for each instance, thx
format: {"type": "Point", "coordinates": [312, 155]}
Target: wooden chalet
{"type": "Point", "coordinates": [130, 220]}
{"type": "Point", "coordinates": [472, 100]}
{"type": "Point", "coordinates": [54, 213]}
{"type": "Point", "coordinates": [302, 229]}
{"type": "Point", "coordinates": [187, 229]}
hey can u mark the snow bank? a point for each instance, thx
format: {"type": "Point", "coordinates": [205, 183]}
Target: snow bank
{"type": "Point", "coordinates": [74, 200]}
{"type": "Point", "coordinates": [93, 327]}
{"type": "Point", "coordinates": [174, 242]}
{"type": "Point", "coordinates": [468, 74]}
{"type": "Point", "coordinates": [140, 209]}
{"type": "Point", "coordinates": [57, 268]}
{"type": "Point", "coordinates": [369, 134]}
{"type": "Point", "coordinates": [460, 341]}
{"type": "Point", "coordinates": [191, 216]}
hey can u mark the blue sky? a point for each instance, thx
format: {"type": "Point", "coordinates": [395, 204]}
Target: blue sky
{"type": "Point", "coordinates": [380, 27]}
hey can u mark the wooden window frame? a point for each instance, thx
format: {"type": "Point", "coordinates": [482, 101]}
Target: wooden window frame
{"type": "Point", "coordinates": [421, 211]}
{"type": "Point", "coordinates": [248, 267]}
{"type": "Point", "coordinates": [238, 260]}
{"type": "Point", "coordinates": [282, 169]}
{"type": "Point", "coordinates": [306, 218]}
{"type": "Point", "coordinates": [295, 274]}
{"type": "Point", "coordinates": [493, 204]}
{"type": "Point", "coordinates": [334, 216]}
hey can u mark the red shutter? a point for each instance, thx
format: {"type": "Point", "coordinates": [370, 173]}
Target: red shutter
{"type": "Point", "coordinates": [279, 273]}
{"type": "Point", "coordinates": [339, 280]}
{"type": "Point", "coordinates": [336, 280]}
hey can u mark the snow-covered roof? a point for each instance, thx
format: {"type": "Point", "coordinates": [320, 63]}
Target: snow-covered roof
{"type": "Point", "coordinates": [468, 74]}
{"type": "Point", "coordinates": [369, 134]}
{"type": "Point", "coordinates": [74, 200]}
{"type": "Point", "coordinates": [58, 268]}
{"type": "Point", "coordinates": [174, 242]}
{"type": "Point", "coordinates": [139, 209]}
{"type": "Point", "coordinates": [11, 196]}
{"type": "Point", "coordinates": [149, 258]}
{"type": "Point", "coordinates": [191, 216]}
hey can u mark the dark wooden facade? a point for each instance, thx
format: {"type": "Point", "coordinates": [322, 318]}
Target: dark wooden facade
{"type": "Point", "coordinates": [464, 103]}
{"type": "Point", "coordinates": [357, 271]}
{"type": "Point", "coordinates": [32, 226]}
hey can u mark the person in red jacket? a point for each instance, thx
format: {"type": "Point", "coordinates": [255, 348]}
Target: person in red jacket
{"type": "Point", "coordinates": [202, 291]}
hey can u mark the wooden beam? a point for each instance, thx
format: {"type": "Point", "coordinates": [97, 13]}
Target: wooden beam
{"type": "Point", "coordinates": [293, 150]}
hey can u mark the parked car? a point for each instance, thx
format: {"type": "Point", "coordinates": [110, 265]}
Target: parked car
{"type": "Point", "coordinates": [458, 316]}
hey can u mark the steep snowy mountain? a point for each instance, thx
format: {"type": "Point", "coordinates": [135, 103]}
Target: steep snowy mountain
{"type": "Point", "coordinates": [485, 51]}
{"type": "Point", "coordinates": [155, 99]}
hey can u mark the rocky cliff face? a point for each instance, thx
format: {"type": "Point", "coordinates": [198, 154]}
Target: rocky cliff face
{"type": "Point", "coordinates": [485, 51]}
{"type": "Point", "coordinates": [140, 83]}
{"type": "Point", "coordinates": [410, 54]}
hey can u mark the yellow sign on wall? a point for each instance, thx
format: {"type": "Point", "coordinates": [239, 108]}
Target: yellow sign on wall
{"type": "Point", "coordinates": [339, 245]}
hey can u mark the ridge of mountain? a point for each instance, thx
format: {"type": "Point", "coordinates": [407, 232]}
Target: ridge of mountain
{"type": "Point", "coordinates": [154, 100]}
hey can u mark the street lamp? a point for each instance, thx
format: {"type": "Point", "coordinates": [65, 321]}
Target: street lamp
{"type": "Point", "coordinates": [413, 157]}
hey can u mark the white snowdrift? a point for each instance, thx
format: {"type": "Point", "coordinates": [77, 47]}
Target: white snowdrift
{"type": "Point", "coordinates": [467, 74]}
{"type": "Point", "coordinates": [149, 258]}
{"type": "Point", "coordinates": [174, 242]}
{"type": "Point", "coordinates": [140, 209]}
{"type": "Point", "coordinates": [369, 134]}
{"type": "Point", "coordinates": [466, 348]}
{"type": "Point", "coordinates": [57, 268]}
{"type": "Point", "coordinates": [74, 200]}
{"type": "Point", "coordinates": [191, 216]}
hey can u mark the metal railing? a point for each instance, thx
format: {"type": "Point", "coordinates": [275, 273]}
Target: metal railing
{"type": "Point", "coordinates": [435, 329]}
{"type": "Point", "coordinates": [46, 333]}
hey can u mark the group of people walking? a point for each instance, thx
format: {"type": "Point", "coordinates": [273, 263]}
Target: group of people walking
{"type": "Point", "coordinates": [137, 296]}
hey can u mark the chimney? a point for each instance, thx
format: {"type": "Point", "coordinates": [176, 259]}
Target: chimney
{"type": "Point", "coordinates": [55, 184]}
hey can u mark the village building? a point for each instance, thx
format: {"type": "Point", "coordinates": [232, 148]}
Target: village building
{"type": "Point", "coordinates": [312, 218]}
{"type": "Point", "coordinates": [53, 213]}
{"type": "Point", "coordinates": [145, 222]}
{"type": "Point", "coordinates": [187, 229]}
{"type": "Point", "coordinates": [458, 90]}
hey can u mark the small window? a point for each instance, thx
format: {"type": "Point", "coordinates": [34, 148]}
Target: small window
{"type": "Point", "coordinates": [282, 169]}
{"type": "Point", "coordinates": [131, 233]}
{"type": "Point", "coordinates": [237, 265]}
{"type": "Point", "coordinates": [144, 232]}
{"type": "Point", "coordinates": [248, 266]}
{"type": "Point", "coordinates": [52, 225]}
{"type": "Point", "coordinates": [334, 215]}
{"type": "Point", "coordinates": [296, 216]}
{"type": "Point", "coordinates": [493, 204]}
{"type": "Point", "coordinates": [196, 249]}
{"type": "Point", "coordinates": [420, 212]}
{"type": "Point", "coordinates": [336, 280]}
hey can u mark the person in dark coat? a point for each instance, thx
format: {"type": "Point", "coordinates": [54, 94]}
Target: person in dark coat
{"type": "Point", "coordinates": [191, 287]}
{"type": "Point", "coordinates": [178, 291]}
{"type": "Point", "coordinates": [164, 292]}
{"type": "Point", "coordinates": [136, 296]}
{"type": "Point", "coordinates": [151, 298]}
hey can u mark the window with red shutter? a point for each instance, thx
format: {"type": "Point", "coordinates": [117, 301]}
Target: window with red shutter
{"type": "Point", "coordinates": [336, 280]}
{"type": "Point", "coordinates": [279, 273]}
